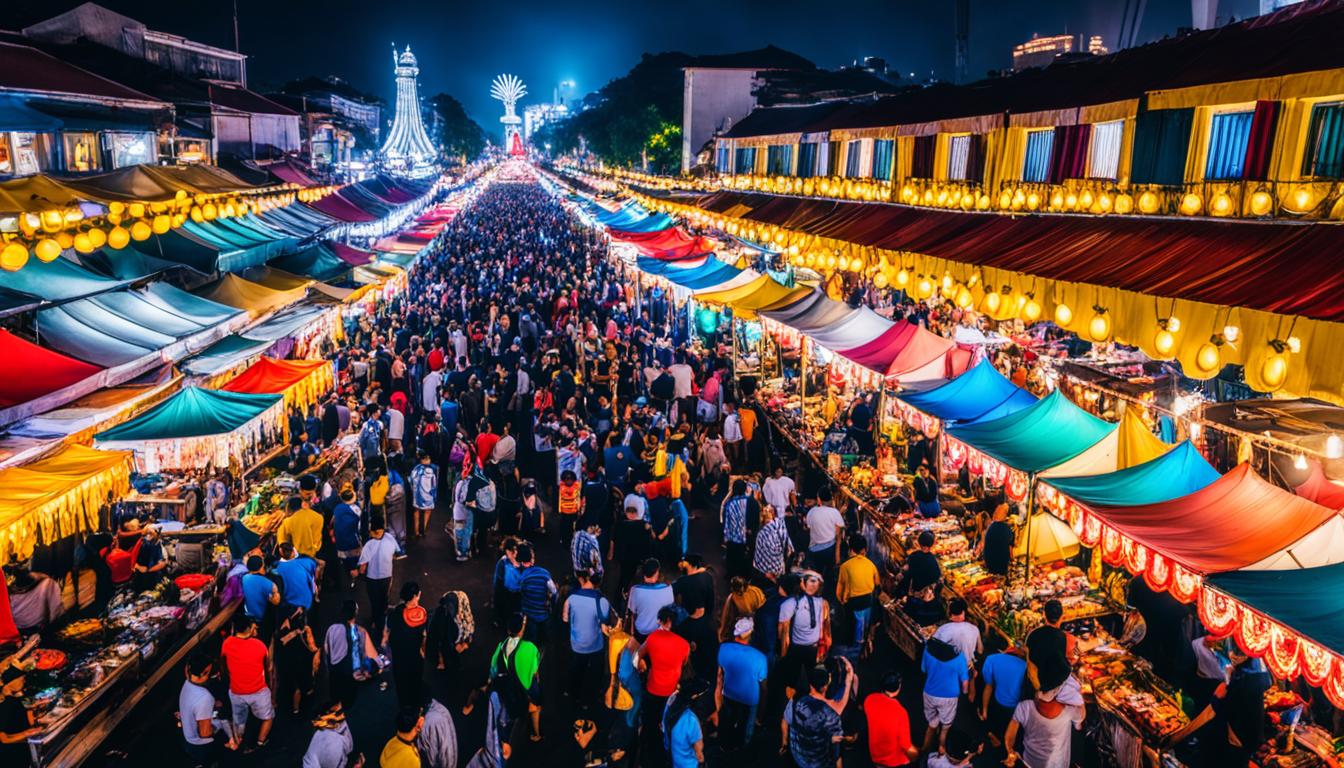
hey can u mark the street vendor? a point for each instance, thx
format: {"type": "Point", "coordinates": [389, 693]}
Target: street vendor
{"type": "Point", "coordinates": [926, 492]}
{"type": "Point", "coordinates": [16, 722]}
{"type": "Point", "coordinates": [996, 546]}
{"type": "Point", "coordinates": [34, 599]}
{"type": "Point", "coordinates": [1237, 714]}
{"type": "Point", "coordinates": [150, 562]}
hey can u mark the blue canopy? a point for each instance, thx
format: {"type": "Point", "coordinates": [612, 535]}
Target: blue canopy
{"type": "Point", "coordinates": [655, 223]}
{"type": "Point", "coordinates": [1308, 601]}
{"type": "Point", "coordinates": [711, 273]}
{"type": "Point", "coordinates": [980, 394]}
{"type": "Point", "coordinates": [1178, 472]}
{"type": "Point", "coordinates": [1038, 437]}
{"type": "Point", "coordinates": [192, 412]}
{"type": "Point", "coordinates": [58, 280]}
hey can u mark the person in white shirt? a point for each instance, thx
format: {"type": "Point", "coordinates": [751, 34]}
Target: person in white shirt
{"type": "Point", "coordinates": [429, 391]}
{"type": "Point", "coordinates": [375, 564]}
{"type": "Point", "coordinates": [1046, 725]}
{"type": "Point", "coordinates": [962, 635]}
{"type": "Point", "coordinates": [732, 436]}
{"type": "Point", "coordinates": [396, 429]}
{"type": "Point", "coordinates": [1211, 664]}
{"type": "Point", "coordinates": [638, 502]}
{"type": "Point", "coordinates": [779, 491]}
{"type": "Point", "coordinates": [824, 524]}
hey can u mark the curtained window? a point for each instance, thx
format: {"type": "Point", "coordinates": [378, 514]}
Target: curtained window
{"type": "Point", "coordinates": [884, 156]}
{"type": "Point", "coordinates": [1068, 152]}
{"type": "Point", "coordinates": [779, 159]}
{"type": "Point", "coordinates": [725, 160]}
{"type": "Point", "coordinates": [853, 156]}
{"type": "Point", "coordinates": [1229, 134]}
{"type": "Point", "coordinates": [921, 159]}
{"type": "Point", "coordinates": [1324, 154]}
{"type": "Point", "coordinates": [1103, 160]}
{"type": "Point", "coordinates": [807, 159]}
{"type": "Point", "coordinates": [745, 161]}
{"type": "Point", "coordinates": [833, 158]}
{"type": "Point", "coordinates": [1161, 141]}
{"type": "Point", "coordinates": [1036, 164]}
{"type": "Point", "coordinates": [958, 153]}
{"type": "Point", "coordinates": [975, 159]}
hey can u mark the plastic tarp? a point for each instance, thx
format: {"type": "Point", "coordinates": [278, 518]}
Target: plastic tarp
{"type": "Point", "coordinates": [657, 267]}
{"type": "Point", "coordinates": [1309, 601]}
{"type": "Point", "coordinates": [747, 299]}
{"type": "Point", "coordinates": [341, 209]}
{"type": "Point", "coordinates": [58, 280]}
{"type": "Point", "coordinates": [252, 297]}
{"type": "Point", "coordinates": [811, 313]}
{"type": "Point", "coordinates": [193, 412]}
{"type": "Point", "coordinates": [877, 354]}
{"type": "Point", "coordinates": [856, 330]}
{"type": "Point", "coordinates": [286, 221]}
{"type": "Point", "coordinates": [655, 223]}
{"type": "Point", "coordinates": [128, 263]}
{"type": "Point", "coordinates": [224, 354]}
{"type": "Point", "coordinates": [286, 323]}
{"type": "Point", "coordinates": [709, 276]}
{"type": "Point", "coordinates": [270, 376]}
{"type": "Point", "coordinates": [316, 261]}
{"type": "Point", "coordinates": [71, 335]}
{"type": "Point", "coordinates": [926, 357]}
{"type": "Point", "coordinates": [1049, 539]}
{"type": "Point", "coordinates": [355, 257]}
{"type": "Point", "coordinates": [1043, 435]}
{"type": "Point", "coordinates": [44, 371]}
{"type": "Point", "coordinates": [1128, 444]}
{"type": "Point", "coordinates": [56, 496]}
{"type": "Point", "coordinates": [187, 305]}
{"type": "Point", "coordinates": [133, 307]}
{"type": "Point", "coordinates": [1178, 472]}
{"type": "Point", "coordinates": [188, 250]}
{"type": "Point", "coordinates": [1318, 488]}
{"type": "Point", "coordinates": [1239, 521]}
{"type": "Point", "coordinates": [741, 278]}
{"type": "Point", "coordinates": [275, 279]}
{"type": "Point", "coordinates": [982, 393]}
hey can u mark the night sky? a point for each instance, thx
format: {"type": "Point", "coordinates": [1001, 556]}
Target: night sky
{"type": "Point", "coordinates": [462, 44]}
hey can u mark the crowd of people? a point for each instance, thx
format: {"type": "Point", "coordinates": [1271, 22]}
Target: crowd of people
{"type": "Point", "coordinates": [710, 605]}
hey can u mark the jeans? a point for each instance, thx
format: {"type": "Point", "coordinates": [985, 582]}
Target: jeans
{"type": "Point", "coordinates": [737, 723]}
{"type": "Point", "coordinates": [378, 590]}
{"type": "Point", "coordinates": [860, 611]}
{"type": "Point", "coordinates": [462, 532]}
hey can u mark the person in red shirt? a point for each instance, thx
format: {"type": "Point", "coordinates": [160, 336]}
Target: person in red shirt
{"type": "Point", "coordinates": [889, 742]}
{"type": "Point", "coordinates": [664, 656]}
{"type": "Point", "coordinates": [485, 442]}
{"type": "Point", "coordinates": [245, 659]}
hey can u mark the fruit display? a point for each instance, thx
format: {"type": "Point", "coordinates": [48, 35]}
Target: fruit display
{"type": "Point", "coordinates": [1143, 700]}
{"type": "Point", "coordinates": [47, 659]}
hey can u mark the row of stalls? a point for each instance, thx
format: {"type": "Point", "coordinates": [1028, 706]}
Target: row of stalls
{"type": "Point", "coordinates": [83, 475]}
{"type": "Point", "coordinates": [1108, 513]}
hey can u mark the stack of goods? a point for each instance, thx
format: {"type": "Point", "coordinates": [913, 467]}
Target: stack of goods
{"type": "Point", "coordinates": [1125, 685]}
{"type": "Point", "coordinates": [266, 507]}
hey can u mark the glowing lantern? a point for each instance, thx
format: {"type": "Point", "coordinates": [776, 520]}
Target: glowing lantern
{"type": "Point", "coordinates": [1105, 203]}
{"type": "Point", "coordinates": [1099, 327]}
{"type": "Point", "coordinates": [1231, 332]}
{"type": "Point", "coordinates": [1085, 199]}
{"type": "Point", "coordinates": [1031, 310]}
{"type": "Point", "coordinates": [1148, 202]}
{"type": "Point", "coordinates": [1057, 200]}
{"type": "Point", "coordinates": [1033, 201]}
{"type": "Point", "coordinates": [1274, 370]}
{"type": "Point", "coordinates": [925, 287]}
{"type": "Point", "coordinates": [964, 297]}
{"type": "Point", "coordinates": [992, 302]}
{"type": "Point", "coordinates": [47, 249]}
{"type": "Point", "coordinates": [1124, 204]}
{"type": "Point", "coordinates": [13, 257]}
{"type": "Point", "coordinates": [65, 240]}
{"type": "Point", "coordinates": [1261, 202]}
{"type": "Point", "coordinates": [52, 221]}
{"type": "Point", "coordinates": [1005, 199]}
{"type": "Point", "coordinates": [856, 264]}
{"type": "Point", "coordinates": [82, 243]}
{"type": "Point", "coordinates": [947, 282]}
{"type": "Point", "coordinates": [1209, 358]}
{"type": "Point", "coordinates": [140, 231]}
{"type": "Point", "coordinates": [98, 237]}
{"type": "Point", "coordinates": [983, 203]}
{"type": "Point", "coordinates": [1063, 315]}
{"type": "Point", "coordinates": [903, 277]}
{"type": "Point", "coordinates": [1164, 342]}
{"type": "Point", "coordinates": [842, 263]}
{"type": "Point", "coordinates": [1191, 204]}
{"type": "Point", "coordinates": [162, 223]}
{"type": "Point", "coordinates": [209, 211]}
{"type": "Point", "coordinates": [1070, 201]}
{"type": "Point", "coordinates": [1303, 200]}
{"type": "Point", "coordinates": [1221, 204]}
{"type": "Point", "coordinates": [880, 280]}
{"type": "Point", "coordinates": [118, 238]}
{"type": "Point", "coordinates": [136, 210]}
{"type": "Point", "coordinates": [117, 208]}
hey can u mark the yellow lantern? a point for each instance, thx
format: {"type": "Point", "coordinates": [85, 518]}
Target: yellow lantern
{"type": "Point", "coordinates": [1063, 315]}
{"type": "Point", "coordinates": [964, 298]}
{"type": "Point", "coordinates": [856, 264]}
{"type": "Point", "coordinates": [1070, 201]}
{"type": "Point", "coordinates": [925, 287]}
{"type": "Point", "coordinates": [98, 237]}
{"type": "Point", "coordinates": [1274, 370]}
{"type": "Point", "coordinates": [992, 302]}
{"type": "Point", "coordinates": [47, 249]}
{"type": "Point", "coordinates": [947, 281]}
{"type": "Point", "coordinates": [983, 203]}
{"type": "Point", "coordinates": [1164, 342]}
{"type": "Point", "coordinates": [810, 259]}
{"type": "Point", "coordinates": [162, 223]}
{"type": "Point", "coordinates": [880, 280]}
{"type": "Point", "coordinates": [1057, 200]}
{"type": "Point", "coordinates": [13, 256]}
{"type": "Point", "coordinates": [140, 231]}
{"type": "Point", "coordinates": [1033, 201]}
{"type": "Point", "coordinates": [65, 240]}
{"type": "Point", "coordinates": [209, 211]}
{"type": "Point", "coordinates": [1005, 199]}
{"type": "Point", "coordinates": [1209, 357]}
{"type": "Point", "coordinates": [1148, 202]}
{"type": "Point", "coordinates": [52, 221]}
{"type": "Point", "coordinates": [1221, 205]}
{"type": "Point", "coordinates": [116, 207]}
{"type": "Point", "coordinates": [928, 196]}
{"type": "Point", "coordinates": [1099, 327]}
{"type": "Point", "coordinates": [907, 193]}
{"type": "Point", "coordinates": [1124, 203]}
{"type": "Point", "coordinates": [831, 261]}
{"type": "Point", "coordinates": [967, 201]}
{"type": "Point", "coordinates": [1105, 203]}
{"type": "Point", "coordinates": [842, 263]}
{"type": "Point", "coordinates": [1031, 310]}
{"type": "Point", "coordinates": [1303, 200]}
{"type": "Point", "coordinates": [1191, 204]}
{"type": "Point", "coordinates": [196, 215]}
{"type": "Point", "coordinates": [118, 238]}
{"type": "Point", "coordinates": [1085, 199]}
{"type": "Point", "coordinates": [82, 243]}
{"type": "Point", "coordinates": [136, 210]}
{"type": "Point", "coordinates": [1261, 202]}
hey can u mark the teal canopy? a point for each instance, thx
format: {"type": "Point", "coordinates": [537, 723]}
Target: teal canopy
{"type": "Point", "coordinates": [224, 354]}
{"type": "Point", "coordinates": [193, 412]}
{"type": "Point", "coordinates": [127, 263]}
{"type": "Point", "coordinates": [316, 261]}
{"type": "Point", "coordinates": [655, 223]}
{"type": "Point", "coordinates": [1308, 601]}
{"type": "Point", "coordinates": [980, 394]}
{"type": "Point", "coordinates": [188, 305]}
{"type": "Point", "coordinates": [1038, 437]}
{"type": "Point", "coordinates": [58, 280]}
{"type": "Point", "coordinates": [1178, 472]}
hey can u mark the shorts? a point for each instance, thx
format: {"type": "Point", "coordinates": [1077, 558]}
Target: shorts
{"type": "Point", "coordinates": [258, 703]}
{"type": "Point", "coordinates": [939, 711]}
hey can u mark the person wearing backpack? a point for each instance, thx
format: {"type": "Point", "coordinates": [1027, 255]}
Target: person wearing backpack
{"type": "Point", "coordinates": [589, 616]}
{"type": "Point", "coordinates": [482, 499]}
{"type": "Point", "coordinates": [514, 674]}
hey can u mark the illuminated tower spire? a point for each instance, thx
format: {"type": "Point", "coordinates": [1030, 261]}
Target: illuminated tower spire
{"type": "Point", "coordinates": [407, 143]}
{"type": "Point", "coordinates": [509, 90]}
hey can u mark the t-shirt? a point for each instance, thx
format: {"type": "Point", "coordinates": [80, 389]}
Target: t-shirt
{"type": "Point", "coordinates": [588, 610]}
{"type": "Point", "coordinates": [195, 703]}
{"type": "Point", "coordinates": [303, 529]}
{"type": "Point", "coordinates": [943, 679]}
{"type": "Point", "coordinates": [525, 660]}
{"type": "Point", "coordinates": [888, 730]}
{"type": "Point", "coordinates": [399, 754]}
{"type": "Point", "coordinates": [813, 726]}
{"type": "Point", "coordinates": [1005, 672]}
{"type": "Point", "coordinates": [1046, 741]}
{"type": "Point", "coordinates": [404, 640]}
{"type": "Point", "coordinates": [537, 588]}
{"type": "Point", "coordinates": [644, 602]}
{"type": "Point", "coordinates": [696, 591]}
{"type": "Point", "coordinates": [776, 491]}
{"type": "Point", "coordinates": [681, 741]}
{"type": "Point", "coordinates": [245, 659]}
{"type": "Point", "coordinates": [378, 554]}
{"type": "Point", "coordinates": [858, 577]}
{"type": "Point", "coordinates": [998, 547]}
{"type": "Point", "coordinates": [924, 570]}
{"type": "Point", "coordinates": [257, 591]}
{"type": "Point", "coordinates": [808, 615]}
{"type": "Point", "coordinates": [1047, 647]}
{"type": "Point", "coordinates": [667, 653]}
{"type": "Point", "coordinates": [744, 669]}
{"type": "Point", "coordinates": [298, 575]}
{"type": "Point", "coordinates": [962, 635]}
{"type": "Point", "coordinates": [821, 525]}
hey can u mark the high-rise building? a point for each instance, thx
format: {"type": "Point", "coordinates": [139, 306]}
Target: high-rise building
{"type": "Point", "coordinates": [537, 115]}
{"type": "Point", "coordinates": [1042, 51]}
{"type": "Point", "coordinates": [407, 144]}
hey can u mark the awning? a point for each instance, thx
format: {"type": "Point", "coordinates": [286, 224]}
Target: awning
{"type": "Point", "coordinates": [747, 299]}
{"type": "Point", "coordinates": [16, 115]}
{"type": "Point", "coordinates": [1178, 472]}
{"type": "Point", "coordinates": [355, 257]}
{"type": "Point", "coordinates": [58, 280]}
{"type": "Point", "coordinates": [1130, 443]}
{"type": "Point", "coordinates": [44, 371]}
{"type": "Point", "coordinates": [655, 223]}
{"type": "Point", "coordinates": [224, 354]}
{"type": "Point", "coordinates": [1038, 437]}
{"type": "Point", "coordinates": [1309, 601]}
{"type": "Point", "coordinates": [1318, 488]}
{"type": "Point", "coordinates": [190, 306]}
{"type": "Point", "coordinates": [316, 261]}
{"type": "Point", "coordinates": [980, 394]}
{"type": "Point", "coordinates": [193, 412]}
{"type": "Point", "coordinates": [856, 330]}
{"type": "Point", "coordinates": [286, 323]}
{"type": "Point", "coordinates": [89, 341]}
{"type": "Point", "coordinates": [926, 358]}
{"type": "Point", "coordinates": [246, 295]}
{"type": "Point", "coordinates": [57, 496]}
{"type": "Point", "coordinates": [302, 382]}
{"type": "Point", "coordinates": [811, 313]}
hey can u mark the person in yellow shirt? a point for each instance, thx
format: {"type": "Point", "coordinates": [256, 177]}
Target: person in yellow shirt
{"type": "Point", "coordinates": [856, 587]}
{"type": "Point", "coordinates": [400, 751]}
{"type": "Point", "coordinates": [302, 528]}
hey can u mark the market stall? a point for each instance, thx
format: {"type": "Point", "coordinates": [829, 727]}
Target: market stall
{"type": "Point", "coordinates": [57, 496]}
{"type": "Point", "coordinates": [199, 428]}
{"type": "Point", "coordinates": [302, 382]}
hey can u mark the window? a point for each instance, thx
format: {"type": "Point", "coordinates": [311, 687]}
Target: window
{"type": "Point", "coordinates": [884, 156]}
{"type": "Point", "coordinates": [958, 153]}
{"type": "Point", "coordinates": [724, 161]}
{"type": "Point", "coordinates": [807, 159]}
{"type": "Point", "coordinates": [832, 158]}
{"type": "Point", "coordinates": [779, 159]}
{"type": "Point", "coordinates": [1036, 164]}
{"type": "Point", "coordinates": [1324, 155]}
{"type": "Point", "coordinates": [745, 162]}
{"type": "Point", "coordinates": [853, 154]}
{"type": "Point", "coordinates": [1228, 134]}
{"type": "Point", "coordinates": [1103, 160]}
{"type": "Point", "coordinates": [132, 148]}
{"type": "Point", "coordinates": [1161, 143]}
{"type": "Point", "coordinates": [81, 152]}
{"type": "Point", "coordinates": [921, 159]}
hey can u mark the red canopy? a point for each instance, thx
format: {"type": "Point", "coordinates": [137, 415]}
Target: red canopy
{"type": "Point", "coordinates": [43, 371]}
{"type": "Point", "coordinates": [923, 348]}
{"type": "Point", "coordinates": [668, 244]}
{"type": "Point", "coordinates": [877, 354]}
{"type": "Point", "coordinates": [269, 376]}
{"type": "Point", "coordinates": [355, 257]}
{"type": "Point", "coordinates": [1318, 488]}
{"type": "Point", "coordinates": [338, 207]}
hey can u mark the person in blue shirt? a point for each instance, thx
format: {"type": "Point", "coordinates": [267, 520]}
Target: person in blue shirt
{"type": "Point", "coordinates": [298, 573]}
{"type": "Point", "coordinates": [946, 679]}
{"type": "Point", "coordinates": [258, 593]}
{"type": "Point", "coordinates": [742, 674]}
{"type": "Point", "coordinates": [683, 736]}
{"type": "Point", "coordinates": [588, 615]}
{"type": "Point", "coordinates": [537, 591]}
{"type": "Point", "coordinates": [345, 530]}
{"type": "Point", "coordinates": [616, 459]}
{"type": "Point", "coordinates": [1003, 672]}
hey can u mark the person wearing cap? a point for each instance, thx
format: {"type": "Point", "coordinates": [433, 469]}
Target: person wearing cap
{"type": "Point", "coordinates": [889, 744]}
{"type": "Point", "coordinates": [150, 563]}
{"type": "Point", "coordinates": [804, 626]}
{"type": "Point", "coordinates": [301, 527]}
{"type": "Point", "coordinates": [741, 686]}
{"type": "Point", "coordinates": [405, 640]}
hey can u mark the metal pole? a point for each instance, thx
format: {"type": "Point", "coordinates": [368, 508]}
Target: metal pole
{"type": "Point", "coordinates": [1030, 503]}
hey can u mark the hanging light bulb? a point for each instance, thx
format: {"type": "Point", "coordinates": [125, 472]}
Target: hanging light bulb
{"type": "Point", "coordinates": [1209, 357]}
{"type": "Point", "coordinates": [1164, 342]}
{"type": "Point", "coordinates": [903, 277]}
{"type": "Point", "coordinates": [1063, 315]}
{"type": "Point", "coordinates": [47, 249]}
{"type": "Point", "coordinates": [98, 237]}
{"type": "Point", "coordinates": [1099, 327]}
{"type": "Point", "coordinates": [1231, 332]}
{"type": "Point", "coordinates": [140, 231]}
{"type": "Point", "coordinates": [13, 256]}
{"type": "Point", "coordinates": [1031, 310]}
{"type": "Point", "coordinates": [1294, 344]}
{"type": "Point", "coordinates": [1334, 447]}
{"type": "Point", "coordinates": [82, 243]}
{"type": "Point", "coordinates": [992, 302]}
{"type": "Point", "coordinates": [1274, 369]}
{"type": "Point", "coordinates": [964, 297]}
{"type": "Point", "coordinates": [1299, 462]}
{"type": "Point", "coordinates": [118, 238]}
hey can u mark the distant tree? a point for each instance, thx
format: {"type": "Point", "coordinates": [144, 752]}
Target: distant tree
{"type": "Point", "coordinates": [459, 136]}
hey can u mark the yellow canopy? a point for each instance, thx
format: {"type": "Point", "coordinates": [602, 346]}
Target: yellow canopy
{"type": "Point", "coordinates": [1049, 538]}
{"type": "Point", "coordinates": [749, 298]}
{"type": "Point", "coordinates": [1137, 443]}
{"type": "Point", "coordinates": [35, 194]}
{"type": "Point", "coordinates": [57, 496]}
{"type": "Point", "coordinates": [255, 298]}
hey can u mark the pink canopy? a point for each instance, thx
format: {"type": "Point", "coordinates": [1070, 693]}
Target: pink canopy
{"type": "Point", "coordinates": [878, 354]}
